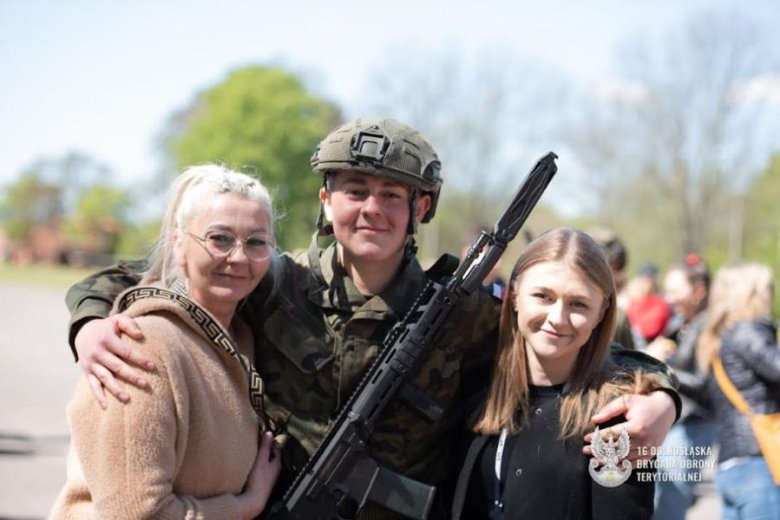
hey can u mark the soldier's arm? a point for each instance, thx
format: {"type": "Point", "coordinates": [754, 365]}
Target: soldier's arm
{"type": "Point", "coordinates": [479, 330]}
{"type": "Point", "coordinates": [95, 338]}
{"type": "Point", "coordinates": [93, 297]}
{"type": "Point", "coordinates": [648, 417]}
{"type": "Point", "coordinates": [664, 378]}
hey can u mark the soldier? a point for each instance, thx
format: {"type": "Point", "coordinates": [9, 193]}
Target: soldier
{"type": "Point", "coordinates": [320, 320]}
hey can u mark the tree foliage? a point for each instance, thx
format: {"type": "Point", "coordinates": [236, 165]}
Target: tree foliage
{"type": "Point", "coordinates": [100, 217]}
{"type": "Point", "coordinates": [259, 120]}
{"type": "Point", "coordinates": [75, 172]}
{"type": "Point", "coordinates": [138, 239]}
{"type": "Point", "coordinates": [762, 217]}
{"type": "Point", "coordinates": [99, 201]}
{"type": "Point", "coordinates": [28, 202]}
{"type": "Point", "coordinates": [72, 194]}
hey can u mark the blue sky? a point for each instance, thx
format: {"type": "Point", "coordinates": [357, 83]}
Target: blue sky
{"type": "Point", "coordinates": [102, 77]}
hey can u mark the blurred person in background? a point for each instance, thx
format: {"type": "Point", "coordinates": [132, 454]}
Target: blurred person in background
{"type": "Point", "coordinates": [155, 457]}
{"type": "Point", "coordinates": [647, 311]}
{"type": "Point", "coordinates": [741, 333]}
{"type": "Point", "coordinates": [617, 256]}
{"type": "Point", "coordinates": [686, 288]}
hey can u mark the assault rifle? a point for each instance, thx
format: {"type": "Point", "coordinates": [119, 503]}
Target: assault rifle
{"type": "Point", "coordinates": [340, 476]}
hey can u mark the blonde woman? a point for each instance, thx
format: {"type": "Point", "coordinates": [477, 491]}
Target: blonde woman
{"type": "Point", "coordinates": [186, 444]}
{"type": "Point", "coordinates": [552, 374]}
{"type": "Point", "coordinates": [740, 331]}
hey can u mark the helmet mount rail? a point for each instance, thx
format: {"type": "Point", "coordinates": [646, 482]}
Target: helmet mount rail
{"type": "Point", "coordinates": [369, 145]}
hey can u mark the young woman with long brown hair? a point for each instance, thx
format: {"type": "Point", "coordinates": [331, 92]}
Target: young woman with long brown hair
{"type": "Point", "coordinates": [553, 372]}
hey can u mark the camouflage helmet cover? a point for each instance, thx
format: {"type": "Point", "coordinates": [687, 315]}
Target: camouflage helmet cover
{"type": "Point", "coordinates": [382, 147]}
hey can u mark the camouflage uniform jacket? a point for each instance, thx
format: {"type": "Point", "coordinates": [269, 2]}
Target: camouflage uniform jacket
{"type": "Point", "coordinates": [318, 335]}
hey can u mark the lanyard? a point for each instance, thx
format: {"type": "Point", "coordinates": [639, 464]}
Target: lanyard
{"type": "Point", "coordinates": [498, 503]}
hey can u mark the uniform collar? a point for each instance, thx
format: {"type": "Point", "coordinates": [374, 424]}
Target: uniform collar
{"type": "Point", "coordinates": [336, 290]}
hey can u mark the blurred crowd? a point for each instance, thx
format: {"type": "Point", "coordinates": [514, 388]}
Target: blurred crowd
{"type": "Point", "coordinates": [718, 334]}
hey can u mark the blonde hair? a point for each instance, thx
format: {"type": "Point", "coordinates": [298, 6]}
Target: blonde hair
{"type": "Point", "coordinates": [188, 197]}
{"type": "Point", "coordinates": [594, 380]}
{"type": "Point", "coordinates": [741, 291]}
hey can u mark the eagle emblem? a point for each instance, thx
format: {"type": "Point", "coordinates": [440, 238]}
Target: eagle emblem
{"type": "Point", "coordinates": [609, 453]}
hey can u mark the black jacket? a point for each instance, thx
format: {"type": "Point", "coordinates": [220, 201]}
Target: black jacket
{"type": "Point", "coordinates": [751, 359]}
{"type": "Point", "coordinates": [544, 477]}
{"type": "Point", "coordinates": [694, 383]}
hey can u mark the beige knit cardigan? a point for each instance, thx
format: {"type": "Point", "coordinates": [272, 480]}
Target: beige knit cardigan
{"type": "Point", "coordinates": [182, 448]}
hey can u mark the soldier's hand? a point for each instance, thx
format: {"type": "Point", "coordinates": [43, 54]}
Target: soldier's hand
{"type": "Point", "coordinates": [648, 419]}
{"type": "Point", "coordinates": [104, 356]}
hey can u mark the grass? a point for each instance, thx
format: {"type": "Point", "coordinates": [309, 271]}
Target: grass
{"type": "Point", "coordinates": [55, 277]}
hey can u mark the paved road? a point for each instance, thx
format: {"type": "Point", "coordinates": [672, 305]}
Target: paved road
{"type": "Point", "coordinates": [37, 376]}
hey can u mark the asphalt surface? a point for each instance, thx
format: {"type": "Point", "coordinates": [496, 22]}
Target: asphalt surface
{"type": "Point", "coordinates": [37, 378]}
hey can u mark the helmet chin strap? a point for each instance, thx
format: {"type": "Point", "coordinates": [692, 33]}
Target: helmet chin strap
{"type": "Point", "coordinates": [410, 250]}
{"type": "Point", "coordinates": [411, 228]}
{"type": "Point", "coordinates": [321, 215]}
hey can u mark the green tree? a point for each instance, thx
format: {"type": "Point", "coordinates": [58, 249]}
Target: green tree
{"type": "Point", "coordinates": [263, 120]}
{"type": "Point", "coordinates": [72, 193]}
{"type": "Point", "coordinates": [137, 239]}
{"type": "Point", "coordinates": [100, 217]}
{"type": "Point", "coordinates": [74, 172]}
{"type": "Point", "coordinates": [100, 201]}
{"type": "Point", "coordinates": [762, 217]}
{"type": "Point", "coordinates": [29, 202]}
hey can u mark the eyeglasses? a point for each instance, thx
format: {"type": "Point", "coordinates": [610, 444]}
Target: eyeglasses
{"type": "Point", "coordinates": [221, 244]}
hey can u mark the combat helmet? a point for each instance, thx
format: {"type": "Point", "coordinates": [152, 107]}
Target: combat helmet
{"type": "Point", "coordinates": [386, 148]}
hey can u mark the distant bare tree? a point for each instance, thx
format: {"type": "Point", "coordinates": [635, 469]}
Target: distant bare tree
{"type": "Point", "coordinates": [74, 172]}
{"type": "Point", "coordinates": [602, 160]}
{"type": "Point", "coordinates": [486, 115]}
{"type": "Point", "coordinates": [682, 123]}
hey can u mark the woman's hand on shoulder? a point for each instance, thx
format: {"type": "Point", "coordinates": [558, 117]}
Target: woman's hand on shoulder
{"type": "Point", "coordinates": [105, 356]}
{"type": "Point", "coordinates": [261, 479]}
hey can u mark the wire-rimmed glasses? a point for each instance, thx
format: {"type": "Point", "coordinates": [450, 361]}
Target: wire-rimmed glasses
{"type": "Point", "coordinates": [221, 244]}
